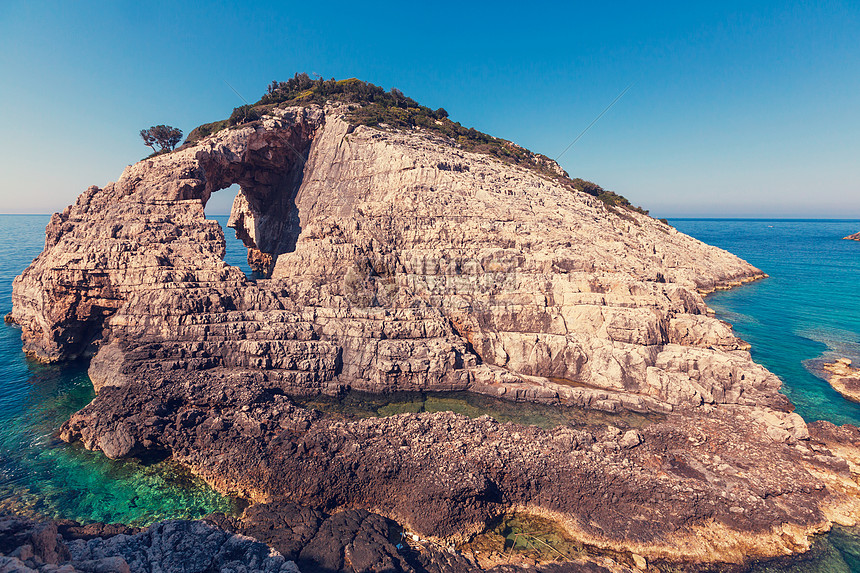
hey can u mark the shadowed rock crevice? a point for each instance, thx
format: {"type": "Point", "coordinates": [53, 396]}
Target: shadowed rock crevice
{"type": "Point", "coordinates": [269, 174]}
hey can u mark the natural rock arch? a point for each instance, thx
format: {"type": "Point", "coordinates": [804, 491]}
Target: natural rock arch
{"type": "Point", "coordinates": [391, 271]}
{"type": "Point", "coordinates": [269, 172]}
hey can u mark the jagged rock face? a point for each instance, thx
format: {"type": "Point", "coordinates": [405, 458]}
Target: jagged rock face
{"type": "Point", "coordinates": [396, 262]}
{"type": "Point", "coordinates": [148, 231]}
{"type": "Point", "coordinates": [854, 237]}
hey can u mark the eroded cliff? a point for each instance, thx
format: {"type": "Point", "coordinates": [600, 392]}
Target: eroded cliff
{"type": "Point", "coordinates": [396, 260]}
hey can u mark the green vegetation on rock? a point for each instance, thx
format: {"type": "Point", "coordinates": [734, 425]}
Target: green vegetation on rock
{"type": "Point", "coordinates": [372, 106]}
{"type": "Point", "coordinates": [164, 136]}
{"type": "Point", "coordinates": [611, 198]}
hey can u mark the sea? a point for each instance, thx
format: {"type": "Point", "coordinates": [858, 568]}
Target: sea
{"type": "Point", "coordinates": [807, 312]}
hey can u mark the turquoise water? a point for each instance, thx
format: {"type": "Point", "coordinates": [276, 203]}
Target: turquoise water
{"type": "Point", "coordinates": [45, 477]}
{"type": "Point", "coordinates": [806, 312]}
{"type": "Point", "coordinates": [237, 253]}
{"type": "Point", "coordinates": [356, 404]}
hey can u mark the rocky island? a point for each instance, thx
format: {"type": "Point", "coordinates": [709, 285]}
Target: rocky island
{"type": "Point", "coordinates": [395, 251]}
{"type": "Point", "coordinates": [854, 237]}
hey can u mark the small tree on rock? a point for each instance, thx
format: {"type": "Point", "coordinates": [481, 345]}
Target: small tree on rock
{"type": "Point", "coordinates": [164, 136]}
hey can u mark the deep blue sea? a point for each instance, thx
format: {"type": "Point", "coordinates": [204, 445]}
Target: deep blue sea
{"type": "Point", "coordinates": [807, 311]}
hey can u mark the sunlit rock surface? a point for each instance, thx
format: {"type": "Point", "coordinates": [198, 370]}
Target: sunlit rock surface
{"type": "Point", "coordinates": [397, 261]}
{"type": "Point", "coordinates": [844, 378]}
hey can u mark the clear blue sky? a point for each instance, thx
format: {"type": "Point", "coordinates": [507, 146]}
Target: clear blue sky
{"type": "Point", "coordinates": [735, 111]}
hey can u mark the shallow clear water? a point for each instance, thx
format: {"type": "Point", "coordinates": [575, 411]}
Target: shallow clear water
{"type": "Point", "coordinates": [43, 476]}
{"type": "Point", "coordinates": [365, 405]}
{"type": "Point", "coordinates": [808, 310]}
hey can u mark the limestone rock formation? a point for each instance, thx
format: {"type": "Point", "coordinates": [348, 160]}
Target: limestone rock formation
{"type": "Point", "coordinates": [844, 378]}
{"type": "Point", "coordinates": [395, 260]}
{"type": "Point", "coordinates": [854, 237]}
{"type": "Point", "coordinates": [388, 270]}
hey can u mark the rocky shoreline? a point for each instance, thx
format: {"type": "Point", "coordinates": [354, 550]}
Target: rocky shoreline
{"type": "Point", "coordinates": [171, 546]}
{"type": "Point", "coordinates": [854, 237]}
{"type": "Point", "coordinates": [279, 538]}
{"type": "Point", "coordinates": [285, 536]}
{"type": "Point", "coordinates": [394, 261]}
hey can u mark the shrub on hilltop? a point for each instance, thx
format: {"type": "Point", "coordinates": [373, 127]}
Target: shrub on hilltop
{"type": "Point", "coordinates": [609, 197]}
{"type": "Point", "coordinates": [372, 106]}
{"type": "Point", "coordinates": [164, 136]}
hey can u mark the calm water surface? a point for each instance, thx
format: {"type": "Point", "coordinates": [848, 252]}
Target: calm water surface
{"type": "Point", "coordinates": [45, 477]}
{"type": "Point", "coordinates": [806, 312]}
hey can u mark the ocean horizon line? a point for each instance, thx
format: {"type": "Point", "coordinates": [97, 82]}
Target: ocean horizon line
{"type": "Point", "coordinates": [670, 218]}
{"type": "Point", "coordinates": [763, 219]}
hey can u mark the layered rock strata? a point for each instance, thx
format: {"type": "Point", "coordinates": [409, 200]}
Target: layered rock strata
{"type": "Point", "coordinates": [397, 261]}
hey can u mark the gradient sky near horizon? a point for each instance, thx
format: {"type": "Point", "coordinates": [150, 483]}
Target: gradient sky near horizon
{"type": "Point", "coordinates": [735, 110]}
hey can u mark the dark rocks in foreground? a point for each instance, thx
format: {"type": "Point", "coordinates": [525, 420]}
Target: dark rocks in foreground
{"type": "Point", "coordinates": [444, 475]}
{"type": "Point", "coordinates": [270, 538]}
{"type": "Point", "coordinates": [168, 546]}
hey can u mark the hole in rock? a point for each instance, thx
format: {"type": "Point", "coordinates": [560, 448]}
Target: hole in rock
{"type": "Point", "coordinates": [263, 182]}
{"type": "Point", "coordinates": [218, 209]}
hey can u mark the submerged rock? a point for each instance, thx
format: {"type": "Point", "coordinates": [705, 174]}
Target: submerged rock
{"type": "Point", "coordinates": [844, 378]}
